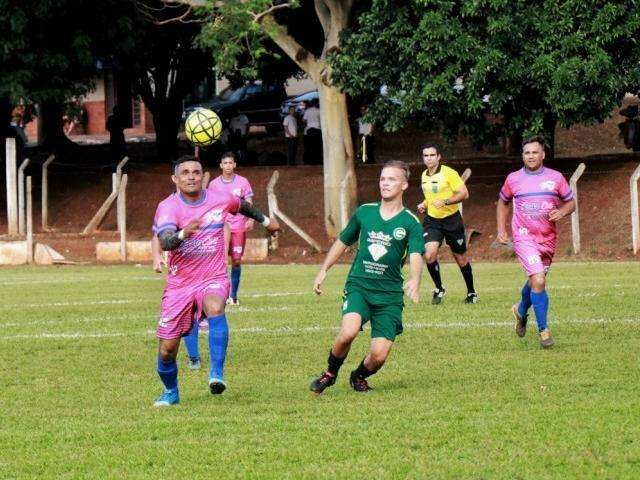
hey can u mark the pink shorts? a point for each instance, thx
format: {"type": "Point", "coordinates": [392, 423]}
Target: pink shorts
{"type": "Point", "coordinates": [534, 257]}
{"type": "Point", "coordinates": [181, 306]}
{"type": "Point", "coordinates": [236, 245]}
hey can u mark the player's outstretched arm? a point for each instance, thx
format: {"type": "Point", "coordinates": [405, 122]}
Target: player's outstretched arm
{"type": "Point", "coordinates": [502, 213]}
{"type": "Point", "coordinates": [156, 254]}
{"type": "Point", "coordinates": [335, 252]}
{"type": "Point", "coordinates": [248, 210]}
{"type": "Point", "coordinates": [412, 286]}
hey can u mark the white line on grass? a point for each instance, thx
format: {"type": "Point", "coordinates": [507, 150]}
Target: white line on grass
{"type": "Point", "coordinates": [69, 304]}
{"type": "Point", "coordinates": [111, 318]}
{"type": "Point", "coordinates": [317, 328]}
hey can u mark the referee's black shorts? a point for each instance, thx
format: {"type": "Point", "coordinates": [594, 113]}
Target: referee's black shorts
{"type": "Point", "coordinates": [449, 228]}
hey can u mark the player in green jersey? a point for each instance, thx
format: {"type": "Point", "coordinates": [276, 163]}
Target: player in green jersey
{"type": "Point", "coordinates": [386, 233]}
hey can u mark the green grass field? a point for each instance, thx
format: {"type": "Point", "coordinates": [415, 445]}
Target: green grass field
{"type": "Point", "coordinates": [461, 396]}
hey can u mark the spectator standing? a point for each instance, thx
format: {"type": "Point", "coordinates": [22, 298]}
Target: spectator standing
{"type": "Point", "coordinates": [115, 127]}
{"type": "Point", "coordinates": [238, 131]}
{"type": "Point", "coordinates": [365, 136]}
{"type": "Point", "coordinates": [312, 134]}
{"type": "Point", "coordinates": [290, 124]}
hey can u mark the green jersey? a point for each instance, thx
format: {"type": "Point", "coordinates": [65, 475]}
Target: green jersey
{"type": "Point", "coordinates": [383, 247]}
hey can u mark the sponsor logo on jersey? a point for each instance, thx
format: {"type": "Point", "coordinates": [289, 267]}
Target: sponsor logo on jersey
{"type": "Point", "coordinates": [386, 239]}
{"type": "Point", "coordinates": [377, 251]}
{"type": "Point", "coordinates": [548, 186]}
{"type": "Point", "coordinates": [237, 192]}
{"type": "Point", "coordinates": [213, 216]}
{"type": "Point", "coordinates": [163, 322]}
{"type": "Point", "coordinates": [399, 233]}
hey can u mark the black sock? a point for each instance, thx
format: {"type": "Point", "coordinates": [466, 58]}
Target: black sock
{"type": "Point", "coordinates": [334, 363]}
{"type": "Point", "coordinates": [364, 372]}
{"type": "Point", "coordinates": [434, 271]}
{"type": "Point", "coordinates": [467, 274]}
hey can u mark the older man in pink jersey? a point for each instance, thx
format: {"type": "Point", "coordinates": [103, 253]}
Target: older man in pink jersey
{"type": "Point", "coordinates": [541, 197]}
{"type": "Point", "coordinates": [190, 225]}
{"type": "Point", "coordinates": [239, 187]}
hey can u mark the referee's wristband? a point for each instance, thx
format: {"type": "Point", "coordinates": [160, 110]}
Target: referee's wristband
{"type": "Point", "coordinates": [266, 222]}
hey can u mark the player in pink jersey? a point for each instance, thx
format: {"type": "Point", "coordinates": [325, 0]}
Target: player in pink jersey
{"type": "Point", "coordinates": [541, 197]}
{"type": "Point", "coordinates": [190, 226]}
{"type": "Point", "coordinates": [239, 187]}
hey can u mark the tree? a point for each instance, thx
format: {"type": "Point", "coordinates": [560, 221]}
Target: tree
{"type": "Point", "coordinates": [49, 54]}
{"type": "Point", "coordinates": [164, 64]}
{"type": "Point", "coordinates": [233, 28]}
{"type": "Point", "coordinates": [495, 67]}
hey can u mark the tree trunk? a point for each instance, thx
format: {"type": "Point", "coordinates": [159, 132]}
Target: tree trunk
{"type": "Point", "coordinates": [166, 119]}
{"type": "Point", "coordinates": [334, 119]}
{"type": "Point", "coordinates": [5, 118]}
{"type": "Point", "coordinates": [53, 137]}
{"type": "Point", "coordinates": [337, 147]}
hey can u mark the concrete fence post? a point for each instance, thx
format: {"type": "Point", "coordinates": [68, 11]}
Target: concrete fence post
{"type": "Point", "coordinates": [21, 206]}
{"type": "Point", "coordinates": [635, 219]}
{"type": "Point", "coordinates": [465, 176]}
{"type": "Point", "coordinates": [12, 183]}
{"type": "Point", "coordinates": [29, 223]}
{"type": "Point", "coordinates": [575, 216]}
{"type": "Point", "coordinates": [122, 217]}
{"type": "Point", "coordinates": [45, 192]}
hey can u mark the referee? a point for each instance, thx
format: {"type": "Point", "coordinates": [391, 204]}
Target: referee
{"type": "Point", "coordinates": [443, 191]}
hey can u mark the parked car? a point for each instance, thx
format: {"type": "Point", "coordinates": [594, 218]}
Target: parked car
{"type": "Point", "coordinates": [259, 102]}
{"type": "Point", "coordinates": [298, 103]}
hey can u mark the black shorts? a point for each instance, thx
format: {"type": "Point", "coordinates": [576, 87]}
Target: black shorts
{"type": "Point", "coordinates": [450, 228]}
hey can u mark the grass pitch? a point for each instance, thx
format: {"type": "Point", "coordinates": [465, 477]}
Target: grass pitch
{"type": "Point", "coordinates": [461, 396]}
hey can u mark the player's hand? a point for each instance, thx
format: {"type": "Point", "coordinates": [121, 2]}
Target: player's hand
{"type": "Point", "coordinates": [421, 207]}
{"type": "Point", "coordinates": [191, 227]}
{"type": "Point", "coordinates": [274, 227]}
{"type": "Point", "coordinates": [555, 215]}
{"type": "Point", "coordinates": [317, 283]}
{"type": "Point", "coordinates": [438, 203]}
{"type": "Point", "coordinates": [502, 237]}
{"type": "Point", "coordinates": [158, 262]}
{"type": "Point", "coordinates": [250, 224]}
{"type": "Point", "coordinates": [411, 290]}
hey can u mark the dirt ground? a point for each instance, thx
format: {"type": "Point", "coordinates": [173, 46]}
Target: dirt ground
{"type": "Point", "coordinates": [78, 189]}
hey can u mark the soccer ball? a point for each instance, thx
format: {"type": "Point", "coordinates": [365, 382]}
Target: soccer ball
{"type": "Point", "coordinates": [203, 127]}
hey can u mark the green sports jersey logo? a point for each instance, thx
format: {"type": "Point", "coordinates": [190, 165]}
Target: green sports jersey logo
{"type": "Point", "coordinates": [399, 233]}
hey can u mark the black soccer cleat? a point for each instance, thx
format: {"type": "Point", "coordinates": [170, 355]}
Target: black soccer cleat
{"type": "Point", "coordinates": [217, 386]}
{"type": "Point", "coordinates": [359, 384]}
{"type": "Point", "coordinates": [471, 298]}
{"type": "Point", "coordinates": [521, 321]}
{"type": "Point", "coordinates": [438, 295]}
{"type": "Point", "coordinates": [323, 382]}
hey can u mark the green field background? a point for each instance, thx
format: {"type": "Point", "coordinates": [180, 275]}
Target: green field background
{"type": "Point", "coordinates": [461, 396]}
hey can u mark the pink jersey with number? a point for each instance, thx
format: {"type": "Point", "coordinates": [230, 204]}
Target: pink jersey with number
{"type": "Point", "coordinates": [534, 195]}
{"type": "Point", "coordinates": [238, 187]}
{"type": "Point", "coordinates": [202, 255]}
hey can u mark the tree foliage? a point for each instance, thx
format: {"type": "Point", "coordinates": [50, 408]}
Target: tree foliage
{"type": "Point", "coordinates": [50, 47]}
{"type": "Point", "coordinates": [520, 66]}
{"type": "Point", "coordinates": [243, 45]}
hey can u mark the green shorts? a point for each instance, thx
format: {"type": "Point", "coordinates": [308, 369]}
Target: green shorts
{"type": "Point", "coordinates": [385, 316]}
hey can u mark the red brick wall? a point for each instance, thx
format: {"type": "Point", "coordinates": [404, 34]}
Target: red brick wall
{"type": "Point", "coordinates": [96, 118]}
